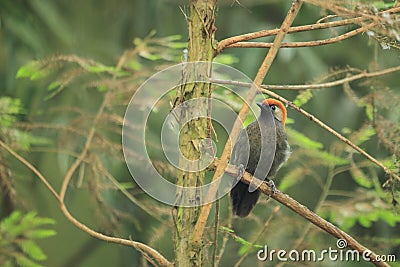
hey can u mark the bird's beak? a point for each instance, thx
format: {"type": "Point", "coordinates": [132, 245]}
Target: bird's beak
{"type": "Point", "coordinates": [259, 104]}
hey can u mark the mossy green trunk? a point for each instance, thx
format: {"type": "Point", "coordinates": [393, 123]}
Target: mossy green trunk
{"type": "Point", "coordinates": [200, 48]}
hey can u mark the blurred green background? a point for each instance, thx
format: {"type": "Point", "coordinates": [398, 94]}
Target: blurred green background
{"type": "Point", "coordinates": [102, 31]}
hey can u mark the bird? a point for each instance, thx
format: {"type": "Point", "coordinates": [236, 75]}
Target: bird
{"type": "Point", "coordinates": [261, 149]}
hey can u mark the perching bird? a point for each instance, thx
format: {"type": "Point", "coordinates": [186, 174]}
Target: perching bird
{"type": "Point", "coordinates": [261, 153]}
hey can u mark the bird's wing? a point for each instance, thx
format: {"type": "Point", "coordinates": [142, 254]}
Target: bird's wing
{"type": "Point", "coordinates": [241, 150]}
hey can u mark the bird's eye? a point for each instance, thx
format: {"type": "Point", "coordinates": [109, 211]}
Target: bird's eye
{"type": "Point", "coordinates": [273, 107]}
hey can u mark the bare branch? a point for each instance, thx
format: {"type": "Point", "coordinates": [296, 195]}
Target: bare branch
{"type": "Point", "coordinates": [348, 79]}
{"type": "Point", "coordinates": [304, 44]}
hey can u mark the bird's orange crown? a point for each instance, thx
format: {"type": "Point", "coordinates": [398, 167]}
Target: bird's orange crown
{"type": "Point", "coordinates": [278, 104]}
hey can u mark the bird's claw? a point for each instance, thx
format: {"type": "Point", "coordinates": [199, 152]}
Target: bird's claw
{"type": "Point", "coordinates": [271, 184]}
{"type": "Point", "coordinates": [240, 171]}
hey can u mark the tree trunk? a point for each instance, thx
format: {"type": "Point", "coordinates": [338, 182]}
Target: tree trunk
{"type": "Point", "coordinates": [200, 48]}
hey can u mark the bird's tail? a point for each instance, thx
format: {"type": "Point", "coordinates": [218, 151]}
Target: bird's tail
{"type": "Point", "coordinates": [242, 200]}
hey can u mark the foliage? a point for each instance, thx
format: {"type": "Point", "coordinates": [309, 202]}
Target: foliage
{"type": "Point", "coordinates": [50, 117]}
{"type": "Point", "coordinates": [10, 110]}
{"type": "Point", "coordinates": [18, 235]}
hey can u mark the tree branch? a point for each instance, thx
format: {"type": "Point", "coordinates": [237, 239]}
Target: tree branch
{"type": "Point", "coordinates": [304, 212]}
{"type": "Point", "coordinates": [304, 44]}
{"type": "Point", "coordinates": [348, 79]}
{"type": "Point", "coordinates": [265, 33]}
{"type": "Point", "coordinates": [231, 41]}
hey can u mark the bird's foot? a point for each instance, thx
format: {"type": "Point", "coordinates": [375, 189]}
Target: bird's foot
{"type": "Point", "coordinates": [271, 184]}
{"type": "Point", "coordinates": [240, 171]}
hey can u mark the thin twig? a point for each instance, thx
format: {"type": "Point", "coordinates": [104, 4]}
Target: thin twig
{"type": "Point", "coordinates": [32, 168]}
{"type": "Point", "coordinates": [307, 43]}
{"type": "Point", "coordinates": [215, 235]}
{"type": "Point", "coordinates": [224, 240]}
{"type": "Point", "coordinates": [82, 155]}
{"type": "Point", "coordinates": [348, 79]}
{"type": "Point", "coordinates": [219, 170]}
{"type": "Point", "coordinates": [359, 76]}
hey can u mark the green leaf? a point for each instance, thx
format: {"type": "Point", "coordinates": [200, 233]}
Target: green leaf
{"type": "Point", "coordinates": [369, 111]}
{"type": "Point", "coordinates": [102, 88]}
{"type": "Point", "coordinates": [127, 185]}
{"type": "Point", "coordinates": [245, 245]}
{"type": "Point", "coordinates": [32, 218]}
{"type": "Point", "coordinates": [302, 140]}
{"type": "Point", "coordinates": [41, 233]}
{"type": "Point", "coordinates": [9, 222]}
{"type": "Point", "coordinates": [363, 135]}
{"type": "Point", "coordinates": [365, 222]}
{"type": "Point", "coordinates": [294, 177]}
{"type": "Point", "coordinates": [147, 55]}
{"type": "Point", "coordinates": [172, 41]}
{"type": "Point", "coordinates": [360, 177]}
{"type": "Point", "coordinates": [226, 59]}
{"type": "Point", "coordinates": [137, 41]}
{"type": "Point", "coordinates": [327, 158]}
{"type": "Point", "coordinates": [9, 108]}
{"type": "Point", "coordinates": [25, 262]}
{"type": "Point", "coordinates": [389, 217]}
{"type": "Point", "coordinates": [32, 250]}
{"type": "Point", "coordinates": [303, 98]}
{"type": "Point", "coordinates": [98, 69]}
{"type": "Point", "coordinates": [25, 140]}
{"type": "Point", "coordinates": [33, 70]}
{"type": "Point", "coordinates": [53, 85]}
{"type": "Point", "coordinates": [249, 119]}
{"type": "Point", "coordinates": [134, 65]}
{"type": "Point", "coordinates": [226, 229]}
{"type": "Point", "coordinates": [17, 236]}
{"type": "Point", "coordinates": [177, 45]}
{"type": "Point", "coordinates": [348, 223]}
